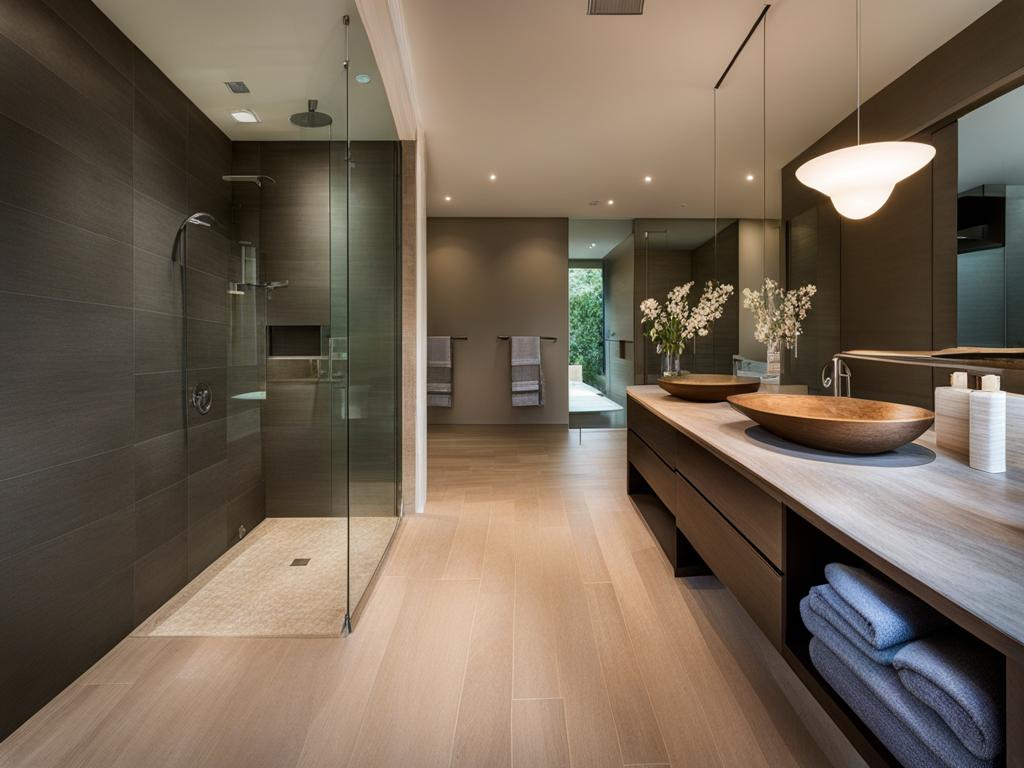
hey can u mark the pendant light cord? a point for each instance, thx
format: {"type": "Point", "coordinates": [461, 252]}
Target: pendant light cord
{"type": "Point", "coordinates": [858, 72]}
{"type": "Point", "coordinates": [764, 148]}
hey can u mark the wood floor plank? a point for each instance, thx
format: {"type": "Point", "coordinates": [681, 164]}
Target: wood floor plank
{"type": "Point", "coordinates": [588, 715]}
{"type": "Point", "coordinates": [410, 717]}
{"type": "Point", "coordinates": [466, 556]}
{"type": "Point", "coordinates": [538, 734]}
{"type": "Point", "coordinates": [483, 733]}
{"type": "Point", "coordinates": [588, 551]}
{"type": "Point", "coordinates": [639, 734]}
{"type": "Point", "coordinates": [331, 734]}
{"type": "Point", "coordinates": [535, 647]}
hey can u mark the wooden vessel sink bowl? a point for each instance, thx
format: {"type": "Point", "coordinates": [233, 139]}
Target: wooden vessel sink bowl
{"type": "Point", "coordinates": [840, 424]}
{"type": "Point", "coordinates": [707, 387]}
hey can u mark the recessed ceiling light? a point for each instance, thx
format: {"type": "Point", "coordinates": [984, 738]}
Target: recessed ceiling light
{"type": "Point", "coordinates": [611, 202]}
{"type": "Point", "coordinates": [237, 86]}
{"type": "Point", "coordinates": [362, 79]}
{"type": "Point", "coordinates": [750, 177]}
{"type": "Point", "coordinates": [244, 116]}
{"type": "Point", "coordinates": [493, 177]}
{"type": "Point", "coordinates": [593, 245]}
{"type": "Point", "coordinates": [648, 179]}
{"type": "Point", "coordinates": [447, 198]}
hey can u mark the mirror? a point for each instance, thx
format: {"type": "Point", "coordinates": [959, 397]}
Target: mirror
{"type": "Point", "coordinates": [990, 224]}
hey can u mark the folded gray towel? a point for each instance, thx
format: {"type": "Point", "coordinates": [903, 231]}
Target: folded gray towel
{"type": "Point", "coordinates": [893, 702]}
{"type": "Point", "coordinates": [439, 371]}
{"type": "Point", "coordinates": [881, 612]}
{"type": "Point", "coordinates": [819, 615]}
{"type": "Point", "coordinates": [961, 679]}
{"type": "Point", "coordinates": [527, 377]}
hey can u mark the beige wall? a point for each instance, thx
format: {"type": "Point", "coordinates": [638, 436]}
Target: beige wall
{"type": "Point", "coordinates": [490, 277]}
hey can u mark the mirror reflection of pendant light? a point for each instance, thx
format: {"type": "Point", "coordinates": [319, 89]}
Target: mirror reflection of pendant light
{"type": "Point", "coordinates": [860, 179]}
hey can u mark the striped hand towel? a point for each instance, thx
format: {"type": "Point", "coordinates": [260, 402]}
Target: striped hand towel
{"type": "Point", "coordinates": [527, 375]}
{"type": "Point", "coordinates": [439, 371]}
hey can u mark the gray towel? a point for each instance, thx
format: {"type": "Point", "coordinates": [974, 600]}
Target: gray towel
{"type": "Point", "coordinates": [881, 701]}
{"type": "Point", "coordinates": [961, 679]}
{"type": "Point", "coordinates": [881, 612]}
{"type": "Point", "coordinates": [527, 374]}
{"type": "Point", "coordinates": [439, 371]}
{"type": "Point", "coordinates": [819, 615]}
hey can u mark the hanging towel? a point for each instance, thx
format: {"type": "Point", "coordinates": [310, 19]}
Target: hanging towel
{"type": "Point", "coordinates": [527, 375]}
{"type": "Point", "coordinates": [960, 679]}
{"type": "Point", "coordinates": [819, 616]}
{"type": "Point", "coordinates": [875, 693]}
{"type": "Point", "coordinates": [439, 371]}
{"type": "Point", "coordinates": [881, 612]}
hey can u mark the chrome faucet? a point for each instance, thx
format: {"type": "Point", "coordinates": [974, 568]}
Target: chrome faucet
{"type": "Point", "coordinates": [832, 375]}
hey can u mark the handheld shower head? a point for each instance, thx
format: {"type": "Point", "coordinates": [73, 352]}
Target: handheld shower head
{"type": "Point", "coordinates": [200, 218]}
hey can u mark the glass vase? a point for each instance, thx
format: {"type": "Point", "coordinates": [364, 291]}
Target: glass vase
{"type": "Point", "coordinates": [774, 352]}
{"type": "Point", "coordinates": [672, 363]}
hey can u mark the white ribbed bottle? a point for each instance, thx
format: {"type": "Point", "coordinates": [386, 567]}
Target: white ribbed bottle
{"type": "Point", "coordinates": [952, 415]}
{"type": "Point", "coordinates": [988, 427]}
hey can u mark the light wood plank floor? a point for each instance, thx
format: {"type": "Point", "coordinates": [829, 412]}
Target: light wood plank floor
{"type": "Point", "coordinates": [526, 619]}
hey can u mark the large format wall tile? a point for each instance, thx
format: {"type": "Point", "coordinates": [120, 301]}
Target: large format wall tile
{"type": "Point", "coordinates": [43, 257]}
{"type": "Point", "coordinates": [66, 389]}
{"type": "Point", "coordinates": [40, 32]}
{"type": "Point", "coordinates": [42, 102]}
{"type": "Point", "coordinates": [46, 178]}
{"type": "Point", "coordinates": [103, 158]}
{"type": "Point", "coordinates": [45, 505]}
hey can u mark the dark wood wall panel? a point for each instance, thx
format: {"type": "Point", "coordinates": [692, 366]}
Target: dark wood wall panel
{"type": "Point", "coordinates": [103, 158]}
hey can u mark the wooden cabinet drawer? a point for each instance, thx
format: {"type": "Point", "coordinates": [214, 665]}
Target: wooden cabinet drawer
{"type": "Point", "coordinates": [657, 473]}
{"type": "Point", "coordinates": [756, 586]}
{"type": "Point", "coordinates": [653, 431]}
{"type": "Point", "coordinates": [750, 509]}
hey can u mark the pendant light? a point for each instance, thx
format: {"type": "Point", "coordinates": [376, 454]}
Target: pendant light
{"type": "Point", "coordinates": [860, 179]}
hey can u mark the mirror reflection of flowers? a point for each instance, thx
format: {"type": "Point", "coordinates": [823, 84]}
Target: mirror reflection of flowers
{"type": "Point", "coordinates": [778, 314]}
{"type": "Point", "coordinates": [672, 325]}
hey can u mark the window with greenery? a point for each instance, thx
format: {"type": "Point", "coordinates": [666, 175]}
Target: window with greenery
{"type": "Point", "coordinates": [586, 323]}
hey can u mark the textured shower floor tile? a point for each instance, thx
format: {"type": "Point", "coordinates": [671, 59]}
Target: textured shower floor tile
{"type": "Point", "coordinates": [253, 590]}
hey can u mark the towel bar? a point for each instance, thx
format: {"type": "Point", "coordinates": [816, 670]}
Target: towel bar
{"type": "Point", "coordinates": [542, 338]}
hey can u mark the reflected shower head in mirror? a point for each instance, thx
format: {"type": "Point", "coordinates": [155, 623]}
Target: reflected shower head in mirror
{"type": "Point", "coordinates": [258, 179]}
{"type": "Point", "coordinates": [311, 118]}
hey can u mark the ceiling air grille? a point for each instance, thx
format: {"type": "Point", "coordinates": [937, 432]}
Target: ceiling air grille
{"type": "Point", "coordinates": [615, 7]}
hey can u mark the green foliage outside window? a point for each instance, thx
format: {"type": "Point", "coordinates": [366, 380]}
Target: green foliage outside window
{"type": "Point", "coordinates": [586, 324]}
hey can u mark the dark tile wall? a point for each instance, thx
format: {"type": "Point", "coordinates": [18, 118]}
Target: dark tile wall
{"type": "Point", "coordinates": [100, 521]}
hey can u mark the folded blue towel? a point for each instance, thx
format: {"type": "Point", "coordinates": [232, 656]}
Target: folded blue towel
{"type": "Point", "coordinates": [894, 702]}
{"type": "Point", "coordinates": [819, 616]}
{"type": "Point", "coordinates": [881, 612]}
{"type": "Point", "coordinates": [961, 679]}
{"type": "Point", "coordinates": [897, 738]}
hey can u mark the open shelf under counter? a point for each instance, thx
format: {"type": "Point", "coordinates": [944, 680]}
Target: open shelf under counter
{"type": "Point", "coordinates": [766, 517]}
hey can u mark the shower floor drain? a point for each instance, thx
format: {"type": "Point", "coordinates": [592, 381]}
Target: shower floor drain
{"type": "Point", "coordinates": [300, 561]}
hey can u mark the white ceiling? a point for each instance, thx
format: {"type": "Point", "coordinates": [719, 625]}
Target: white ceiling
{"type": "Point", "coordinates": [567, 108]}
{"type": "Point", "coordinates": [286, 52]}
{"type": "Point", "coordinates": [990, 143]}
{"type": "Point", "coordinates": [594, 238]}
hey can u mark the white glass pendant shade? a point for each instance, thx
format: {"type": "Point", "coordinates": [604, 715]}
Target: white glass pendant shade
{"type": "Point", "coordinates": [860, 179]}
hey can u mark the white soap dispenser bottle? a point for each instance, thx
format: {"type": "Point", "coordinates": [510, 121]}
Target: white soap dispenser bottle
{"type": "Point", "coordinates": [952, 415]}
{"type": "Point", "coordinates": [988, 426]}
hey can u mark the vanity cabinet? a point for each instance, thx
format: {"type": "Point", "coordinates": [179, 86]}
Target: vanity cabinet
{"type": "Point", "coordinates": [767, 522]}
{"type": "Point", "coordinates": [723, 523]}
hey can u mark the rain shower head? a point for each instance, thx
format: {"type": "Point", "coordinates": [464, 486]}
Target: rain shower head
{"type": "Point", "coordinates": [311, 118]}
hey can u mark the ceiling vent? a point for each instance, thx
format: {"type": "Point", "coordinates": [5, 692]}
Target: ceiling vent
{"type": "Point", "coordinates": [615, 7]}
